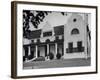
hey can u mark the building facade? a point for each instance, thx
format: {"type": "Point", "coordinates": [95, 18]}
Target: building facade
{"type": "Point", "coordinates": [70, 40]}
{"type": "Point", "coordinates": [75, 40]}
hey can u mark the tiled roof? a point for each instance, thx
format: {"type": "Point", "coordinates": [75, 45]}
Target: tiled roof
{"type": "Point", "coordinates": [34, 34]}
{"type": "Point", "coordinates": [58, 30]}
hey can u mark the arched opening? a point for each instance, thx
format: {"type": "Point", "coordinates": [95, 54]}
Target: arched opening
{"type": "Point", "coordinates": [47, 40]}
{"type": "Point", "coordinates": [74, 31]}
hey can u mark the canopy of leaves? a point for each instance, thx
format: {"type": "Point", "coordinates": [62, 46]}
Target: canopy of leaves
{"type": "Point", "coordinates": [35, 17]}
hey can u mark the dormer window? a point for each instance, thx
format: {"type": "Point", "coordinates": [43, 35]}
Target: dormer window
{"type": "Point", "coordinates": [74, 31]}
{"type": "Point", "coordinates": [46, 34]}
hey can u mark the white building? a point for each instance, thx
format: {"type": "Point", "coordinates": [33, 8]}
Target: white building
{"type": "Point", "coordinates": [70, 40]}
{"type": "Point", "coordinates": [75, 39]}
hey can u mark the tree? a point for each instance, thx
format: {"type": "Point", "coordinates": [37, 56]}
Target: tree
{"type": "Point", "coordinates": [35, 17]}
{"type": "Point", "coordinates": [58, 55]}
{"type": "Point", "coordinates": [51, 56]}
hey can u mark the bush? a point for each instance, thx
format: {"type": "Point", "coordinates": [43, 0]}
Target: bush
{"type": "Point", "coordinates": [58, 55]}
{"type": "Point", "coordinates": [51, 56]}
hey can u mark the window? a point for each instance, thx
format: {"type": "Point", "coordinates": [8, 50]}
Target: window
{"type": "Point", "coordinates": [38, 41]}
{"type": "Point", "coordinates": [47, 41]}
{"type": "Point", "coordinates": [32, 41]}
{"type": "Point", "coordinates": [77, 49]}
{"type": "Point", "coordinates": [70, 46]}
{"type": "Point", "coordinates": [45, 34]}
{"type": "Point", "coordinates": [75, 31]}
{"type": "Point", "coordinates": [79, 46]}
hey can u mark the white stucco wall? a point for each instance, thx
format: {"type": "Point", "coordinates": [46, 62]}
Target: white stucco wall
{"type": "Point", "coordinates": [26, 41]}
{"type": "Point", "coordinates": [69, 26]}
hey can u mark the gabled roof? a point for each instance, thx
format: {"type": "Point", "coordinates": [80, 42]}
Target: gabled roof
{"type": "Point", "coordinates": [59, 30]}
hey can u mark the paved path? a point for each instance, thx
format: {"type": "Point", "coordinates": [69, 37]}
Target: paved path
{"type": "Point", "coordinates": [57, 63]}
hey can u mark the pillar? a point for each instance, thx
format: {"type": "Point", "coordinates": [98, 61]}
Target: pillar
{"type": "Point", "coordinates": [29, 51]}
{"type": "Point", "coordinates": [47, 50]}
{"type": "Point", "coordinates": [36, 50]}
{"type": "Point", "coordinates": [56, 47]}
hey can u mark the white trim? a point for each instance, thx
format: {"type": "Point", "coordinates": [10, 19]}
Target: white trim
{"type": "Point", "coordinates": [29, 72]}
{"type": "Point", "coordinates": [36, 50]}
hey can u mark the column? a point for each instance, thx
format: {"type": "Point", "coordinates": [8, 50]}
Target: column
{"type": "Point", "coordinates": [56, 46]}
{"type": "Point", "coordinates": [36, 51]}
{"type": "Point", "coordinates": [62, 49]}
{"type": "Point", "coordinates": [47, 50]}
{"type": "Point", "coordinates": [29, 51]}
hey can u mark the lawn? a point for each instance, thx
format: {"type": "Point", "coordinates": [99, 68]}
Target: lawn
{"type": "Point", "coordinates": [57, 63]}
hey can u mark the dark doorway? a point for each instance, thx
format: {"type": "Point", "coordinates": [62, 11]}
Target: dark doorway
{"type": "Point", "coordinates": [32, 51]}
{"type": "Point", "coordinates": [70, 46]}
{"type": "Point", "coordinates": [52, 48]}
{"type": "Point", "coordinates": [79, 45]}
{"type": "Point", "coordinates": [60, 48]}
{"type": "Point", "coordinates": [26, 50]}
{"type": "Point", "coordinates": [42, 50]}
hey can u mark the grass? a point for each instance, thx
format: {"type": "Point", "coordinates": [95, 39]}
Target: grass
{"type": "Point", "coordinates": [57, 63]}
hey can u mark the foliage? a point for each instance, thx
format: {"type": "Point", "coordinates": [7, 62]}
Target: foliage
{"type": "Point", "coordinates": [35, 17]}
{"type": "Point", "coordinates": [51, 56]}
{"type": "Point", "coordinates": [58, 55]}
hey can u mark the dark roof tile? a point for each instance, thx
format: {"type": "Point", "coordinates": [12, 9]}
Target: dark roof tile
{"type": "Point", "coordinates": [59, 30]}
{"type": "Point", "coordinates": [34, 34]}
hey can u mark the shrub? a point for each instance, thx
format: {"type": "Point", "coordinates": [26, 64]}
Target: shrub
{"type": "Point", "coordinates": [51, 56]}
{"type": "Point", "coordinates": [58, 55]}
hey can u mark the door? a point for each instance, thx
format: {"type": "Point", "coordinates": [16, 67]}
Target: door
{"type": "Point", "coordinates": [70, 46]}
{"type": "Point", "coordinates": [79, 45]}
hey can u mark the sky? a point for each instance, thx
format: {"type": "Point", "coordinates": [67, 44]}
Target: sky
{"type": "Point", "coordinates": [55, 19]}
